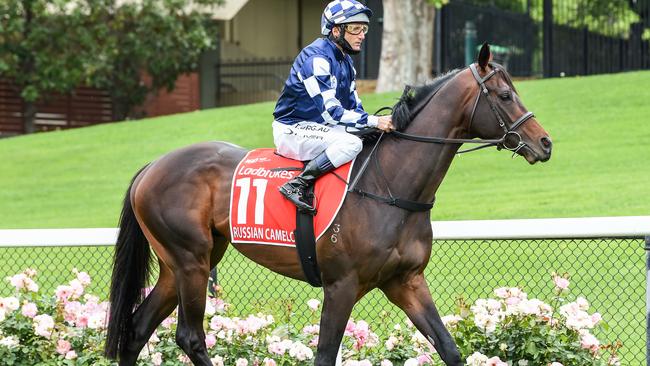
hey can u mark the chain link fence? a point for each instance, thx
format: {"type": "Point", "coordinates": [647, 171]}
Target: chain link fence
{"type": "Point", "coordinates": [609, 272]}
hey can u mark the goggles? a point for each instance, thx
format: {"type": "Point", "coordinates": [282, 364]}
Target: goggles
{"type": "Point", "coordinates": [356, 29]}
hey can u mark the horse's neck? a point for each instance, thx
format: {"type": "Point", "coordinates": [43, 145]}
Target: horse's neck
{"type": "Point", "coordinates": [414, 169]}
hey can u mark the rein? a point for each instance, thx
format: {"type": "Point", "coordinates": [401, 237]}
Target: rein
{"type": "Point", "coordinates": [415, 206]}
{"type": "Point", "coordinates": [483, 90]}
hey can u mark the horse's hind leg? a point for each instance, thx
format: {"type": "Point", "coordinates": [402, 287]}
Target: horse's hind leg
{"type": "Point", "coordinates": [190, 248]}
{"type": "Point", "coordinates": [412, 295]}
{"type": "Point", "coordinates": [154, 309]}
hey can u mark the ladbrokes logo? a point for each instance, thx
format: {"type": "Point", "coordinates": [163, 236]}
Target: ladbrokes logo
{"type": "Point", "coordinates": [265, 173]}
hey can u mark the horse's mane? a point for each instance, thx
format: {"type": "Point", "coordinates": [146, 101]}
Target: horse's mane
{"type": "Point", "coordinates": [412, 96]}
{"type": "Point", "coordinates": [403, 111]}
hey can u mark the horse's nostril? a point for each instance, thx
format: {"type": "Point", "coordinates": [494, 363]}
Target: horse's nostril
{"type": "Point", "coordinates": [546, 142]}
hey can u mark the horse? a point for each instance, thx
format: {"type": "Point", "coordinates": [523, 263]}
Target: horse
{"type": "Point", "coordinates": [178, 206]}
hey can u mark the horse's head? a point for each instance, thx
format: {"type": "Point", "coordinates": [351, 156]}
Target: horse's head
{"type": "Point", "coordinates": [498, 113]}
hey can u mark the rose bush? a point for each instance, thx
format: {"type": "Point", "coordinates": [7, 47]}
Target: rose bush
{"type": "Point", "coordinates": [65, 329]}
{"type": "Point", "coordinates": [520, 331]}
{"type": "Point", "coordinates": [68, 328]}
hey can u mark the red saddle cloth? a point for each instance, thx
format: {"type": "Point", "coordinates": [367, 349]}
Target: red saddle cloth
{"type": "Point", "coordinates": [259, 214]}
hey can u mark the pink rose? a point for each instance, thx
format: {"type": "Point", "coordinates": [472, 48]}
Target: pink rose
{"type": "Point", "coordinates": [423, 359]}
{"type": "Point", "coordinates": [361, 333]}
{"type": "Point", "coordinates": [156, 359]}
{"type": "Point", "coordinates": [167, 323]}
{"type": "Point", "coordinates": [561, 283]}
{"type": "Point", "coordinates": [77, 288]}
{"type": "Point", "coordinates": [513, 301]}
{"type": "Point", "coordinates": [349, 328]}
{"type": "Point", "coordinates": [71, 355]}
{"type": "Point", "coordinates": [588, 341]}
{"type": "Point", "coordinates": [311, 329]}
{"type": "Point", "coordinates": [62, 346]}
{"type": "Point", "coordinates": [84, 278]}
{"type": "Point", "coordinates": [29, 310]}
{"type": "Point", "coordinates": [210, 340]}
{"type": "Point", "coordinates": [313, 304]}
{"type": "Point", "coordinates": [596, 318]}
{"type": "Point", "coordinates": [63, 293]}
{"type": "Point", "coordinates": [313, 342]}
{"type": "Point", "coordinates": [495, 361]}
{"type": "Point", "coordinates": [18, 281]}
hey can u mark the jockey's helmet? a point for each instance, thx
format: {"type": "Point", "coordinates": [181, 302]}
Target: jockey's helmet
{"type": "Point", "coordinates": [342, 12]}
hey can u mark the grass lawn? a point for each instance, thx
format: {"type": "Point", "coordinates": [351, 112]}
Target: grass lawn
{"type": "Point", "coordinates": [599, 127]}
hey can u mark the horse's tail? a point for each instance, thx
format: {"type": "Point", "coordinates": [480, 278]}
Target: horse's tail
{"type": "Point", "coordinates": [130, 271]}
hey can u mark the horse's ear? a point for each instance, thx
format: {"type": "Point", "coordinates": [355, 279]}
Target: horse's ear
{"type": "Point", "coordinates": [484, 55]}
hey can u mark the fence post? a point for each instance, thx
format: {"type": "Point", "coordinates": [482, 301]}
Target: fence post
{"type": "Point", "coordinates": [548, 38]}
{"type": "Point", "coordinates": [647, 300]}
{"type": "Point", "coordinates": [470, 42]}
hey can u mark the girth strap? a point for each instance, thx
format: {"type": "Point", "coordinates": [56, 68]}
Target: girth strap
{"type": "Point", "coordinates": [306, 247]}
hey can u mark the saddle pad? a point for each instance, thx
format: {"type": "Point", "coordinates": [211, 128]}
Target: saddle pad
{"type": "Point", "coordinates": [259, 214]}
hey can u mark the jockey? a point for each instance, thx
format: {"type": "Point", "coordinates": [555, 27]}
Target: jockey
{"type": "Point", "coordinates": [319, 103]}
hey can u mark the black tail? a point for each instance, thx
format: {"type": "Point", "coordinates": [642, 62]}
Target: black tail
{"type": "Point", "coordinates": [130, 272]}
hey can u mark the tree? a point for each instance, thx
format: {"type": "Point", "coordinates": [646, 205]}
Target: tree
{"type": "Point", "coordinates": [407, 43]}
{"type": "Point", "coordinates": [45, 47]}
{"type": "Point", "coordinates": [53, 46]}
{"type": "Point", "coordinates": [160, 38]}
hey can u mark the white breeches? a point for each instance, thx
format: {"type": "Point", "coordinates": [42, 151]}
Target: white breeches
{"type": "Point", "coordinates": [305, 140]}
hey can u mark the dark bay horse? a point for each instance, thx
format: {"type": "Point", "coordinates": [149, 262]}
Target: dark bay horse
{"type": "Point", "coordinates": [178, 206]}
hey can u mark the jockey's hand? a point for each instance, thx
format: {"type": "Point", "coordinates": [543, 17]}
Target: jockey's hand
{"type": "Point", "coordinates": [385, 123]}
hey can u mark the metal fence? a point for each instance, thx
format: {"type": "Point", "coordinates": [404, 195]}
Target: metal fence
{"type": "Point", "coordinates": [549, 37]}
{"type": "Point", "coordinates": [250, 81]}
{"type": "Point", "coordinates": [583, 38]}
{"type": "Point", "coordinates": [608, 271]}
{"type": "Point", "coordinates": [515, 35]}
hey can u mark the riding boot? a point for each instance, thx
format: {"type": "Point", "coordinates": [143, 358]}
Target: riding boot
{"type": "Point", "coordinates": [296, 189]}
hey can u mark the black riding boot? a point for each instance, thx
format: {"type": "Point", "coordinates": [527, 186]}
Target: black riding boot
{"type": "Point", "coordinates": [295, 190]}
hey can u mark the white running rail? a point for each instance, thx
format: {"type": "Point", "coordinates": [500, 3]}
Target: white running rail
{"type": "Point", "coordinates": [592, 227]}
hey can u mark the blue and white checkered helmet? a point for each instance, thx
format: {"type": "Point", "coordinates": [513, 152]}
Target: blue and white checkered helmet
{"type": "Point", "coordinates": [341, 12]}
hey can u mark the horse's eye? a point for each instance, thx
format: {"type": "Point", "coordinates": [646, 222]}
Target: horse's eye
{"type": "Point", "coordinates": [505, 96]}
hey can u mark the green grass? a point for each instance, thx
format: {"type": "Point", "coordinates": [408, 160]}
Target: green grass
{"type": "Point", "coordinates": [599, 167]}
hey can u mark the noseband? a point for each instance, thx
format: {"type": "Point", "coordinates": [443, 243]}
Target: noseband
{"type": "Point", "coordinates": [507, 131]}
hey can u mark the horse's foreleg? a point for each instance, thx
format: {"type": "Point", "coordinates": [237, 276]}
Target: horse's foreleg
{"type": "Point", "coordinates": [154, 309]}
{"type": "Point", "coordinates": [412, 295]}
{"type": "Point", "coordinates": [340, 297]}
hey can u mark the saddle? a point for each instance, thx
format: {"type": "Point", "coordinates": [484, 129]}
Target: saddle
{"type": "Point", "coordinates": [260, 215]}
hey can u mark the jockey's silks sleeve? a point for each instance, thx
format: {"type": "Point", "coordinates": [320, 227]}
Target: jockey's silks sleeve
{"type": "Point", "coordinates": [321, 86]}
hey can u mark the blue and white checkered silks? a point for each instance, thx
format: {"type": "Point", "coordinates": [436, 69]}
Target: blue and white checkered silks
{"type": "Point", "coordinates": [321, 87]}
{"type": "Point", "coordinates": [338, 11]}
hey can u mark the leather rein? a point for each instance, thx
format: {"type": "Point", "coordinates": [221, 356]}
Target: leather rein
{"type": "Point", "coordinates": [483, 90]}
{"type": "Point", "coordinates": [415, 206]}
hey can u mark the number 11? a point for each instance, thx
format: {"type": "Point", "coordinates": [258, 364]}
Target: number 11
{"type": "Point", "coordinates": [242, 205]}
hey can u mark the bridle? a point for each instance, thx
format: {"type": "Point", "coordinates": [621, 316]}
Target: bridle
{"type": "Point", "coordinates": [500, 143]}
{"type": "Point", "coordinates": [483, 90]}
{"type": "Point", "coordinates": [507, 131]}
